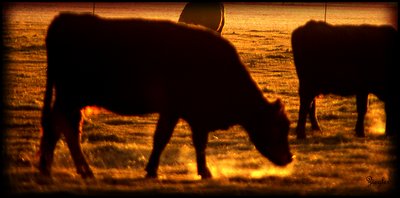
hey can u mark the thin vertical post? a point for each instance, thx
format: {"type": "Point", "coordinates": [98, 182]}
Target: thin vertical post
{"type": "Point", "coordinates": [325, 11]}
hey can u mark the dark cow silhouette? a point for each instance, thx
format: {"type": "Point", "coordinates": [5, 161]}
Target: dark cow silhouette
{"type": "Point", "coordinates": [137, 66]}
{"type": "Point", "coordinates": [209, 14]}
{"type": "Point", "coordinates": [345, 60]}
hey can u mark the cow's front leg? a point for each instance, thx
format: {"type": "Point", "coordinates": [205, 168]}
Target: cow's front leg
{"type": "Point", "coordinates": [200, 138]}
{"type": "Point", "coordinates": [392, 110]}
{"type": "Point", "coordinates": [163, 133]}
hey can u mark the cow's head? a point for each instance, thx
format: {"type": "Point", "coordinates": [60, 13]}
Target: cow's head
{"type": "Point", "coordinates": [268, 129]}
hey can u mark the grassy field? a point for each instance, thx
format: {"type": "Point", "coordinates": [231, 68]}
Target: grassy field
{"type": "Point", "coordinates": [117, 147]}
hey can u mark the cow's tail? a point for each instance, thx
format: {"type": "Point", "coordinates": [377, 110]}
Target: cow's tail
{"type": "Point", "coordinates": [47, 105]}
{"type": "Point", "coordinates": [50, 84]}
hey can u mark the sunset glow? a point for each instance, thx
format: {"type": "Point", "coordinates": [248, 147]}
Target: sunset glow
{"type": "Point", "coordinates": [232, 168]}
{"type": "Point", "coordinates": [90, 110]}
{"type": "Point", "coordinates": [377, 125]}
{"type": "Point", "coordinates": [377, 118]}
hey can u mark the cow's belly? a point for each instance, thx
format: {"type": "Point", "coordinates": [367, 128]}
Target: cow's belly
{"type": "Point", "coordinates": [126, 96]}
{"type": "Point", "coordinates": [135, 103]}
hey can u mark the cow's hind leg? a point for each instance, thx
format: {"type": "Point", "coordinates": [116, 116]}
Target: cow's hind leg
{"type": "Point", "coordinates": [48, 142]}
{"type": "Point", "coordinates": [200, 138]}
{"type": "Point", "coordinates": [362, 105]}
{"type": "Point", "coordinates": [392, 110]}
{"type": "Point", "coordinates": [70, 121]}
{"type": "Point", "coordinates": [313, 117]}
{"type": "Point", "coordinates": [305, 102]}
{"type": "Point", "coordinates": [163, 133]}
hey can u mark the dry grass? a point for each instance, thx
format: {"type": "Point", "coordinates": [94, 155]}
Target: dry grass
{"type": "Point", "coordinates": [118, 147]}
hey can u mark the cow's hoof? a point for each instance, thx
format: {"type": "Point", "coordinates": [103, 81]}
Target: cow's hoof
{"type": "Point", "coordinates": [389, 133]}
{"type": "Point", "coordinates": [204, 177]}
{"type": "Point", "coordinates": [316, 128]}
{"type": "Point", "coordinates": [300, 132]}
{"type": "Point", "coordinates": [87, 175]}
{"type": "Point", "coordinates": [360, 135]}
{"type": "Point", "coordinates": [301, 136]}
{"type": "Point", "coordinates": [45, 172]}
{"type": "Point", "coordinates": [206, 174]}
{"type": "Point", "coordinates": [43, 179]}
{"type": "Point", "coordinates": [151, 176]}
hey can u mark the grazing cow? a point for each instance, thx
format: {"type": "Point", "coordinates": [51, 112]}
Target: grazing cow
{"type": "Point", "coordinates": [346, 60]}
{"type": "Point", "coordinates": [137, 66]}
{"type": "Point", "coordinates": [210, 14]}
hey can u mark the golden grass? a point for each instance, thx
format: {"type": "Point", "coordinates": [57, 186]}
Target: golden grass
{"type": "Point", "coordinates": [118, 147]}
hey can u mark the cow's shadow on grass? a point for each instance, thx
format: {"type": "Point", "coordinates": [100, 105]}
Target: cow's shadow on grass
{"type": "Point", "coordinates": [216, 186]}
{"type": "Point", "coordinates": [276, 180]}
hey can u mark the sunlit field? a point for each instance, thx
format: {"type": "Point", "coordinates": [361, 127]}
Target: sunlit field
{"type": "Point", "coordinates": [117, 147]}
